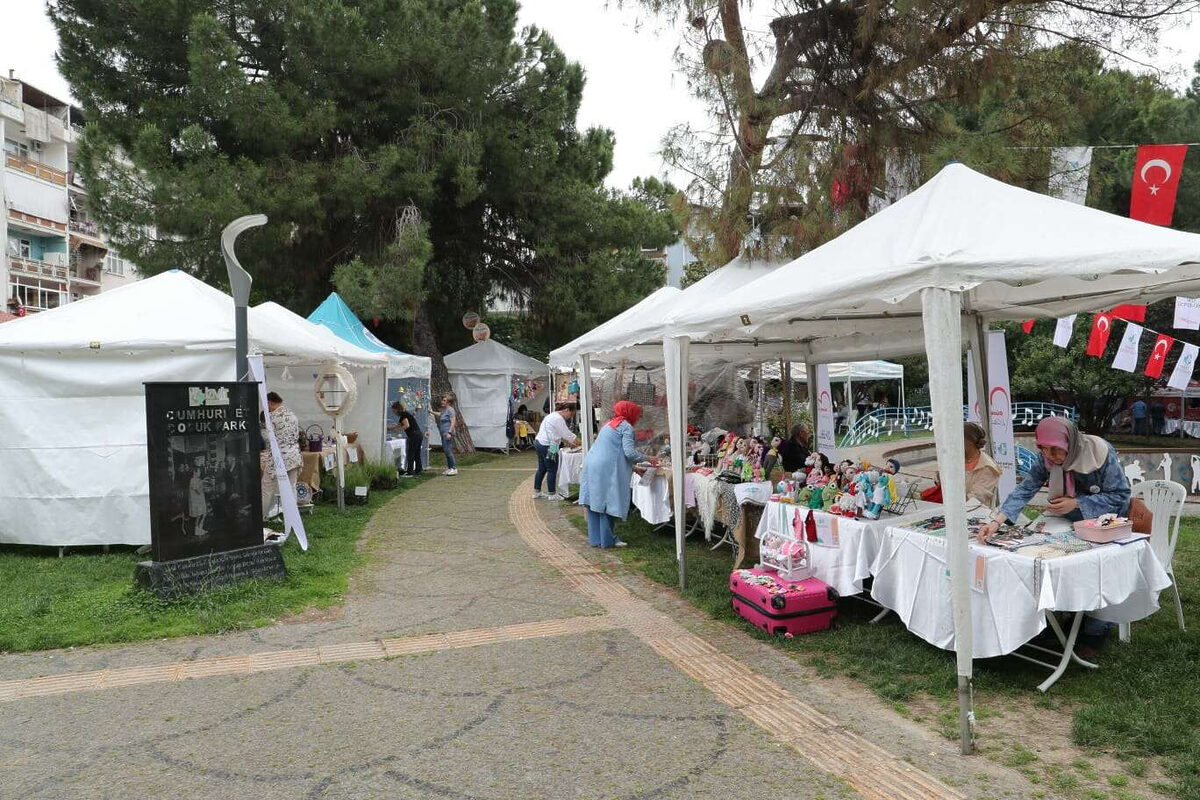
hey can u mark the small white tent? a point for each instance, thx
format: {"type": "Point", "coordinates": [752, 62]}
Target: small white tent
{"type": "Point", "coordinates": [72, 403]}
{"type": "Point", "coordinates": [482, 376]}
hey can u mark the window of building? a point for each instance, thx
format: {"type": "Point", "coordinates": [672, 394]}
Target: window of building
{"type": "Point", "coordinates": [114, 264]}
{"type": "Point", "coordinates": [19, 149]}
{"type": "Point", "coordinates": [21, 248]}
{"type": "Point", "coordinates": [34, 294]}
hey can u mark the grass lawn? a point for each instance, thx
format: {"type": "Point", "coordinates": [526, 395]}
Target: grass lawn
{"type": "Point", "coordinates": [87, 597]}
{"type": "Point", "coordinates": [1143, 704]}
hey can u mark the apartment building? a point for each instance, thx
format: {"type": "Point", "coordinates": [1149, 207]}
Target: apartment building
{"type": "Point", "coordinates": [54, 253]}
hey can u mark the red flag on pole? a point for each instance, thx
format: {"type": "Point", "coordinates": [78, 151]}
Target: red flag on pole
{"type": "Point", "coordinates": [1130, 313]}
{"type": "Point", "coordinates": [1027, 326]}
{"type": "Point", "coordinates": [1158, 356]}
{"type": "Point", "coordinates": [1101, 330]}
{"type": "Point", "coordinates": [1155, 181]}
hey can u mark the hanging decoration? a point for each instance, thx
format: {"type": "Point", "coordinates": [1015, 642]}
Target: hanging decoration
{"type": "Point", "coordinates": [1027, 326]}
{"type": "Point", "coordinates": [1158, 356]}
{"type": "Point", "coordinates": [1064, 329]}
{"type": "Point", "coordinates": [470, 320]}
{"type": "Point", "coordinates": [1101, 330]}
{"type": "Point", "coordinates": [1127, 353]}
{"type": "Point", "coordinates": [1181, 376]}
{"type": "Point", "coordinates": [1130, 313]}
{"type": "Point", "coordinates": [481, 332]}
{"type": "Point", "coordinates": [1187, 313]}
{"type": "Point", "coordinates": [1155, 182]}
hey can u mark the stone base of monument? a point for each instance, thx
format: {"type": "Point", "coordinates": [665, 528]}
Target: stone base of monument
{"type": "Point", "coordinates": [185, 576]}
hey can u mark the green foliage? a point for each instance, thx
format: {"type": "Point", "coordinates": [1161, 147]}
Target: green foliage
{"type": "Point", "coordinates": [339, 119]}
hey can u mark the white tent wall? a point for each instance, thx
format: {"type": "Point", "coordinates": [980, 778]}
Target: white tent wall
{"type": "Point", "coordinates": [483, 400]}
{"type": "Point", "coordinates": [73, 469]}
{"type": "Point", "coordinates": [295, 384]}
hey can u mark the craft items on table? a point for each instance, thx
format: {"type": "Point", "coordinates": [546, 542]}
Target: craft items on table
{"type": "Point", "coordinates": [1105, 528]}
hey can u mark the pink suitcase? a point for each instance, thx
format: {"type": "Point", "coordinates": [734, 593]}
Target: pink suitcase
{"type": "Point", "coordinates": [779, 606]}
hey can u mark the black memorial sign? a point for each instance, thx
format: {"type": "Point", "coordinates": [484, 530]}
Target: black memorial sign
{"type": "Point", "coordinates": [205, 490]}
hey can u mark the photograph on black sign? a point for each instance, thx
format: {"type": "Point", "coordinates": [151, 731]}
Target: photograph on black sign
{"type": "Point", "coordinates": [204, 444]}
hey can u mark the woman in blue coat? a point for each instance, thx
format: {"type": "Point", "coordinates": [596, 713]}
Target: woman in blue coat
{"type": "Point", "coordinates": [607, 469]}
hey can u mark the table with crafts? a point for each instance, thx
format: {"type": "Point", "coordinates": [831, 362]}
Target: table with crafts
{"type": "Point", "coordinates": [570, 467]}
{"type": "Point", "coordinates": [846, 547]}
{"type": "Point", "coordinates": [651, 489]}
{"type": "Point", "coordinates": [1014, 593]}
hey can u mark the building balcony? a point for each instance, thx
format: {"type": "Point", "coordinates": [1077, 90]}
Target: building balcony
{"type": "Point", "coordinates": [82, 278]}
{"type": "Point", "coordinates": [33, 267]}
{"type": "Point", "coordinates": [36, 168]}
{"type": "Point", "coordinates": [85, 226]}
{"type": "Point", "coordinates": [75, 182]}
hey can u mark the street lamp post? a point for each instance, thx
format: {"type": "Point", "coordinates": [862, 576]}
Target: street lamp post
{"type": "Point", "coordinates": [239, 284]}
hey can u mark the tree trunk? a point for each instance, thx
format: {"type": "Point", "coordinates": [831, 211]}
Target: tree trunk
{"type": "Point", "coordinates": [425, 344]}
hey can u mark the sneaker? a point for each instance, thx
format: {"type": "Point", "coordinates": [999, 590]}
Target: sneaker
{"type": "Point", "coordinates": [621, 544]}
{"type": "Point", "coordinates": [540, 495]}
{"type": "Point", "coordinates": [450, 472]}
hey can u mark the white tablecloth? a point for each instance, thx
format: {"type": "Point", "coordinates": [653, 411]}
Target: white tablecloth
{"type": "Point", "coordinates": [846, 564]}
{"type": "Point", "coordinates": [570, 466]}
{"type": "Point", "coordinates": [1190, 426]}
{"type": "Point", "coordinates": [652, 498]}
{"type": "Point", "coordinates": [395, 450]}
{"type": "Point", "coordinates": [1011, 592]}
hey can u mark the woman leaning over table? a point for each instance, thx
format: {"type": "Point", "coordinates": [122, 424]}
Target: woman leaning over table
{"type": "Point", "coordinates": [1084, 480]}
{"type": "Point", "coordinates": [607, 469]}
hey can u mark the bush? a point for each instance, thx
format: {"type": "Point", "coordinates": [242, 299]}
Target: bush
{"type": "Point", "coordinates": [379, 475]}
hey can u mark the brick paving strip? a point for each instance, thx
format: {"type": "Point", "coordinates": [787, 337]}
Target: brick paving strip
{"type": "Point", "coordinates": [290, 659]}
{"type": "Point", "coordinates": [873, 772]}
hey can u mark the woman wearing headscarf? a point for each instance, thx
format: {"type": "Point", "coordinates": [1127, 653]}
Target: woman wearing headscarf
{"type": "Point", "coordinates": [607, 468]}
{"type": "Point", "coordinates": [1083, 477]}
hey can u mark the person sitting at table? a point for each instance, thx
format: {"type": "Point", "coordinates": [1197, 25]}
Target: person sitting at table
{"type": "Point", "coordinates": [1085, 480]}
{"type": "Point", "coordinates": [794, 452]}
{"type": "Point", "coordinates": [607, 469]}
{"type": "Point", "coordinates": [983, 473]}
{"type": "Point", "coordinates": [552, 433]}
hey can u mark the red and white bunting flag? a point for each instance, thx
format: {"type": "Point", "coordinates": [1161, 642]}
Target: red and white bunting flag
{"type": "Point", "coordinates": [1158, 356]}
{"type": "Point", "coordinates": [1101, 330]}
{"type": "Point", "coordinates": [1155, 181]}
{"type": "Point", "coordinates": [1130, 313]}
{"type": "Point", "coordinates": [1187, 313]}
{"type": "Point", "coordinates": [1027, 326]}
{"type": "Point", "coordinates": [1064, 329]}
{"type": "Point", "coordinates": [1181, 376]}
{"type": "Point", "coordinates": [1127, 353]}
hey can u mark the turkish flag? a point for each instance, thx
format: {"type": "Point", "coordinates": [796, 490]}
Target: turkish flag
{"type": "Point", "coordinates": [1130, 313]}
{"type": "Point", "coordinates": [1027, 326]}
{"type": "Point", "coordinates": [1158, 356]}
{"type": "Point", "coordinates": [1155, 181]}
{"type": "Point", "coordinates": [1101, 330]}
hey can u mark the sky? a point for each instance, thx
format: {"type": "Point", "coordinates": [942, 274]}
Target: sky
{"type": "Point", "coordinates": [633, 85]}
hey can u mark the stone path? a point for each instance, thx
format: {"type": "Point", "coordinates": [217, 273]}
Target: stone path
{"type": "Point", "coordinates": [487, 654]}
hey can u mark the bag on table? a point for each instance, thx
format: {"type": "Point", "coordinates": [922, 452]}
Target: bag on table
{"type": "Point", "coordinates": [644, 394]}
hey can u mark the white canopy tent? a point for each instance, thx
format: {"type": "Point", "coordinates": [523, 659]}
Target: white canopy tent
{"type": "Point", "coordinates": [295, 384]}
{"type": "Point", "coordinates": [843, 372]}
{"type": "Point", "coordinates": [925, 273]}
{"type": "Point", "coordinates": [72, 403]}
{"type": "Point", "coordinates": [482, 377]}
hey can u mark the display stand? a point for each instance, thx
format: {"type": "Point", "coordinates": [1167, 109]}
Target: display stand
{"type": "Point", "coordinates": [786, 551]}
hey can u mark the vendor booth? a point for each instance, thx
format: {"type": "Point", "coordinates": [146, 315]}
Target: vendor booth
{"type": "Point", "coordinates": [408, 376]}
{"type": "Point", "coordinates": [491, 381]}
{"type": "Point", "coordinates": [929, 273]}
{"type": "Point", "coordinates": [72, 406]}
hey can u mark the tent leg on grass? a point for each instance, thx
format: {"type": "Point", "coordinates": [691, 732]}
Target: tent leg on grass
{"type": "Point", "coordinates": [942, 317]}
{"type": "Point", "coordinates": [675, 361]}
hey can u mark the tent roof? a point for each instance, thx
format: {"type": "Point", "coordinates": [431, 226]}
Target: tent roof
{"type": "Point", "coordinates": [346, 350]}
{"type": "Point", "coordinates": [643, 322]}
{"type": "Point", "coordinates": [491, 357]}
{"type": "Point", "coordinates": [170, 311]}
{"type": "Point", "coordinates": [1014, 253]}
{"type": "Point", "coordinates": [615, 330]}
{"type": "Point", "coordinates": [840, 371]}
{"type": "Point", "coordinates": [336, 316]}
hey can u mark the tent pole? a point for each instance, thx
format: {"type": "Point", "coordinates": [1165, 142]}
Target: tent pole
{"type": "Point", "coordinates": [585, 401]}
{"type": "Point", "coordinates": [675, 363]}
{"type": "Point", "coordinates": [943, 345]}
{"type": "Point", "coordinates": [785, 374]}
{"type": "Point", "coordinates": [903, 404]}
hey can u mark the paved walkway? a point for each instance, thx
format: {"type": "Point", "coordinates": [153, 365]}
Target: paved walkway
{"type": "Point", "coordinates": [486, 654]}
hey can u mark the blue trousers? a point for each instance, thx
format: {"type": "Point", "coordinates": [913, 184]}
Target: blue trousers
{"type": "Point", "coordinates": [547, 468]}
{"type": "Point", "coordinates": [600, 529]}
{"type": "Point", "coordinates": [448, 449]}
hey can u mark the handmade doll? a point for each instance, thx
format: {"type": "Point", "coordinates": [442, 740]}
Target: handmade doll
{"type": "Point", "coordinates": [771, 458]}
{"type": "Point", "coordinates": [866, 488]}
{"type": "Point", "coordinates": [878, 496]}
{"type": "Point", "coordinates": [846, 504]}
{"type": "Point", "coordinates": [830, 497]}
{"type": "Point", "coordinates": [817, 500]}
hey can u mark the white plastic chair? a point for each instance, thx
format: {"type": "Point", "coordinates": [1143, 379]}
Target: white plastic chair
{"type": "Point", "coordinates": [1165, 500]}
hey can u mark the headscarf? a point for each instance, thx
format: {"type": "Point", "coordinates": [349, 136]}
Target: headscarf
{"type": "Point", "coordinates": [625, 411]}
{"type": "Point", "coordinates": [1085, 453]}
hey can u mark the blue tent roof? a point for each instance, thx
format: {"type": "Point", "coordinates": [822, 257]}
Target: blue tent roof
{"type": "Point", "coordinates": [335, 315]}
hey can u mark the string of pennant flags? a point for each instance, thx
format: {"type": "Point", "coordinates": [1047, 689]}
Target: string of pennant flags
{"type": "Point", "coordinates": [1126, 358]}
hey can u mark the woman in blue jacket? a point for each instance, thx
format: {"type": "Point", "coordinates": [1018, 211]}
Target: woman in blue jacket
{"type": "Point", "coordinates": [607, 469]}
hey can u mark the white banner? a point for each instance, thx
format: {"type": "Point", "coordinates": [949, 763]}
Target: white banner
{"type": "Point", "coordinates": [973, 412]}
{"type": "Point", "coordinates": [1004, 446]}
{"type": "Point", "coordinates": [825, 429]}
{"type": "Point", "coordinates": [1181, 376]}
{"type": "Point", "coordinates": [1187, 313]}
{"type": "Point", "coordinates": [1069, 170]}
{"type": "Point", "coordinates": [287, 493]}
{"type": "Point", "coordinates": [1127, 354]}
{"type": "Point", "coordinates": [1064, 329]}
